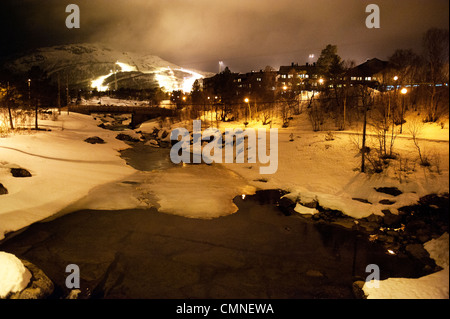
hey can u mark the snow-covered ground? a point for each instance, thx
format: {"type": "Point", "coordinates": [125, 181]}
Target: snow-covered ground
{"type": "Point", "coordinates": [64, 168]}
{"type": "Point", "coordinates": [70, 174]}
{"type": "Point", "coordinates": [315, 167]}
{"type": "Point", "coordinates": [434, 286]}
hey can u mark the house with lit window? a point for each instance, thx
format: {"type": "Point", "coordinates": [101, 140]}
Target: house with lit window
{"type": "Point", "coordinates": [260, 85]}
{"type": "Point", "coordinates": [296, 78]}
{"type": "Point", "coordinates": [371, 73]}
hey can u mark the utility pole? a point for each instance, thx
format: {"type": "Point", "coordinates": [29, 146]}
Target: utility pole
{"type": "Point", "coordinates": [67, 93]}
{"type": "Point", "coordinates": [363, 150]}
{"type": "Point", "coordinates": [59, 96]}
{"type": "Point", "coordinates": [9, 107]}
{"type": "Point", "coordinates": [115, 77]}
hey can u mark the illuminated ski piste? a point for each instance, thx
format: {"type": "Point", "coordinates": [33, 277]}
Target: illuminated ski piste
{"type": "Point", "coordinates": [98, 83]}
{"type": "Point", "coordinates": [165, 76]}
{"type": "Point", "coordinates": [126, 67]}
{"type": "Point", "coordinates": [167, 80]}
{"type": "Point", "coordinates": [189, 82]}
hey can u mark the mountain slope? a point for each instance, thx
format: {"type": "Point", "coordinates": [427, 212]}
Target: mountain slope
{"type": "Point", "coordinates": [98, 66]}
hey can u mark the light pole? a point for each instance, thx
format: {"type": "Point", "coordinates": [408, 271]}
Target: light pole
{"type": "Point", "coordinates": [29, 93]}
{"type": "Point", "coordinates": [403, 92]}
{"type": "Point", "coordinates": [247, 100]}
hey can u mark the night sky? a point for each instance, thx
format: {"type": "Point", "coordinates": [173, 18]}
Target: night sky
{"type": "Point", "coordinates": [245, 34]}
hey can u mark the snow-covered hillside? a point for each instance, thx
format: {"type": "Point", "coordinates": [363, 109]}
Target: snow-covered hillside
{"type": "Point", "coordinates": [81, 64]}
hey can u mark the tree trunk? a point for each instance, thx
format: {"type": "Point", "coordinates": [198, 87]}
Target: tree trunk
{"type": "Point", "coordinates": [36, 126]}
{"type": "Point", "coordinates": [11, 124]}
{"type": "Point", "coordinates": [363, 149]}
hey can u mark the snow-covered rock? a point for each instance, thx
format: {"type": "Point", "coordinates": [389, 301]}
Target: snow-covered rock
{"type": "Point", "coordinates": [14, 276]}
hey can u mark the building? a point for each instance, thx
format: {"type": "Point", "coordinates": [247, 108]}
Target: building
{"type": "Point", "coordinates": [260, 85]}
{"type": "Point", "coordinates": [296, 78]}
{"type": "Point", "coordinates": [290, 80]}
{"type": "Point", "coordinates": [371, 73]}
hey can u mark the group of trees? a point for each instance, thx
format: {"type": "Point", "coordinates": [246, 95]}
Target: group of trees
{"type": "Point", "coordinates": [425, 76]}
{"type": "Point", "coordinates": [21, 99]}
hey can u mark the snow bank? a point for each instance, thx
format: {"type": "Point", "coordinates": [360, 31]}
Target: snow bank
{"type": "Point", "coordinates": [434, 286]}
{"type": "Point", "coordinates": [64, 169]}
{"type": "Point", "coordinates": [328, 170]}
{"type": "Point", "coordinates": [14, 277]}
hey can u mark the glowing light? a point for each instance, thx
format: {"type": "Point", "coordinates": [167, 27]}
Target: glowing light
{"type": "Point", "coordinates": [321, 81]}
{"type": "Point", "coordinates": [165, 76]}
{"type": "Point", "coordinates": [243, 196]}
{"type": "Point", "coordinates": [188, 82]}
{"type": "Point", "coordinates": [390, 251]}
{"type": "Point", "coordinates": [246, 100]}
{"type": "Point", "coordinates": [404, 91]}
{"type": "Point", "coordinates": [126, 67]}
{"type": "Point", "coordinates": [395, 78]}
{"type": "Point", "coordinates": [98, 82]}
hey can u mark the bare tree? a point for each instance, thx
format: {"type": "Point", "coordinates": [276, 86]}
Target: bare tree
{"type": "Point", "coordinates": [415, 129]}
{"type": "Point", "coordinates": [366, 99]}
{"type": "Point", "coordinates": [436, 50]}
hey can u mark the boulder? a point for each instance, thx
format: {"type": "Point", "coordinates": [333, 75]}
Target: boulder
{"type": "Point", "coordinates": [152, 143]}
{"type": "Point", "coordinates": [94, 140]}
{"type": "Point", "coordinates": [362, 200]}
{"type": "Point", "coordinates": [386, 202]}
{"type": "Point", "coordinates": [391, 220]}
{"type": "Point", "coordinates": [358, 291]}
{"type": "Point", "coordinates": [394, 191]}
{"type": "Point", "coordinates": [20, 172]}
{"type": "Point", "coordinates": [126, 138]}
{"type": "Point", "coordinates": [3, 190]}
{"type": "Point", "coordinates": [310, 204]}
{"type": "Point", "coordinates": [417, 251]}
{"type": "Point", "coordinates": [286, 206]}
{"type": "Point", "coordinates": [375, 218]}
{"type": "Point", "coordinates": [40, 287]}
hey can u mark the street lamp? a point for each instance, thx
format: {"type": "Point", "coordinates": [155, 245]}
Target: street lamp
{"type": "Point", "coordinates": [247, 100]}
{"type": "Point", "coordinates": [321, 81]}
{"type": "Point", "coordinates": [403, 92]}
{"type": "Point", "coordinates": [29, 92]}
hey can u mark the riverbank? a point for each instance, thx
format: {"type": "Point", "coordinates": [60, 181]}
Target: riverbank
{"type": "Point", "coordinates": [315, 168]}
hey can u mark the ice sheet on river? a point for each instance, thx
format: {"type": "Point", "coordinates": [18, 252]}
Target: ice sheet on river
{"type": "Point", "coordinates": [193, 191]}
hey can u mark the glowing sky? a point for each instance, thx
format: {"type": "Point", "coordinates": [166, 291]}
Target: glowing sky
{"type": "Point", "coordinates": [245, 34]}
